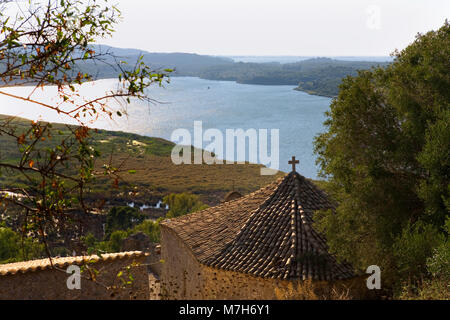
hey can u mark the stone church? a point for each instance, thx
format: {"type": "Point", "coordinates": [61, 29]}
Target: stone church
{"type": "Point", "coordinates": [260, 246]}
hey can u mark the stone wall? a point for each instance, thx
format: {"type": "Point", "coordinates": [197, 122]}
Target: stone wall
{"type": "Point", "coordinates": [183, 277]}
{"type": "Point", "coordinates": [41, 282]}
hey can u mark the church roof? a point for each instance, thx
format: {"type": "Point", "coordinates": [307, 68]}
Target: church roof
{"type": "Point", "coordinates": [267, 233]}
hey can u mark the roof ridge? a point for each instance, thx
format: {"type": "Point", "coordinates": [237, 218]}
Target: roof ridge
{"type": "Point", "coordinates": [45, 263]}
{"type": "Point", "coordinates": [276, 182]}
{"type": "Point", "coordinates": [316, 241]}
{"type": "Point", "coordinates": [268, 233]}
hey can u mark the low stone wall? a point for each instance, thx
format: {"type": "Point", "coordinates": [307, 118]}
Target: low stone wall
{"type": "Point", "coordinates": [39, 280]}
{"type": "Point", "coordinates": [183, 277]}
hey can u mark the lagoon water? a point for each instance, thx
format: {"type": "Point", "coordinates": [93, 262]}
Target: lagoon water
{"type": "Point", "coordinates": [218, 104]}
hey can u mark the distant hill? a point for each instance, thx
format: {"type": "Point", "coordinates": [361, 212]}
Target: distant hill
{"type": "Point", "coordinates": [184, 63]}
{"type": "Point", "coordinates": [320, 76]}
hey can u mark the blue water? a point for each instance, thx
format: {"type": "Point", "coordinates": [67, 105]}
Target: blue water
{"type": "Point", "coordinates": [225, 105]}
{"type": "Point", "coordinates": [228, 105]}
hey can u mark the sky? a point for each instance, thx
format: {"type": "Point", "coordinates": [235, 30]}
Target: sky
{"type": "Point", "coordinates": [276, 27]}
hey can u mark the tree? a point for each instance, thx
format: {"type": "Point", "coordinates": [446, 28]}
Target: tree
{"type": "Point", "coordinates": [150, 228]}
{"type": "Point", "coordinates": [9, 244]}
{"type": "Point", "coordinates": [14, 248]}
{"type": "Point", "coordinates": [122, 218]}
{"type": "Point", "coordinates": [182, 203]}
{"type": "Point", "coordinates": [51, 44]}
{"type": "Point", "coordinates": [116, 240]}
{"type": "Point", "coordinates": [387, 157]}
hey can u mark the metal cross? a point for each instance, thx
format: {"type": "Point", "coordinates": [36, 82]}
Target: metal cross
{"type": "Point", "coordinates": [293, 162]}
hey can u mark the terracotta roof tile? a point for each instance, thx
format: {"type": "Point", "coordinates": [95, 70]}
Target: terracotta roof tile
{"type": "Point", "coordinates": [267, 233]}
{"type": "Point", "coordinates": [42, 264]}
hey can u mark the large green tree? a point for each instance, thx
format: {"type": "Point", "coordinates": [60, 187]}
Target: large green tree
{"type": "Point", "coordinates": [386, 153]}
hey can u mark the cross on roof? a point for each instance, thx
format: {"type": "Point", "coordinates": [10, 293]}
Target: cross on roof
{"type": "Point", "coordinates": [293, 162]}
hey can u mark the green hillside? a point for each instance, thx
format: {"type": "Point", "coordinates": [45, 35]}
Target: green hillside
{"type": "Point", "coordinates": [319, 76]}
{"type": "Point", "coordinates": [153, 173]}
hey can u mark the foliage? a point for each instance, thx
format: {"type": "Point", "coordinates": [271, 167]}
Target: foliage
{"type": "Point", "coordinates": [123, 222]}
{"type": "Point", "coordinates": [116, 240]}
{"type": "Point", "coordinates": [9, 244]}
{"type": "Point", "coordinates": [387, 157]}
{"type": "Point", "coordinates": [183, 203]}
{"type": "Point", "coordinates": [436, 283]}
{"type": "Point", "coordinates": [43, 45]}
{"type": "Point", "coordinates": [14, 248]}
{"type": "Point", "coordinates": [428, 289]}
{"type": "Point", "coordinates": [413, 247]}
{"type": "Point", "coordinates": [150, 228]}
{"type": "Point", "coordinates": [438, 265]}
{"type": "Point", "coordinates": [122, 218]}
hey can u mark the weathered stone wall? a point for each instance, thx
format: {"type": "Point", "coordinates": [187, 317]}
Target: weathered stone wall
{"type": "Point", "coordinates": [184, 278]}
{"type": "Point", "coordinates": [181, 276]}
{"type": "Point", "coordinates": [154, 259]}
{"type": "Point", "coordinates": [51, 284]}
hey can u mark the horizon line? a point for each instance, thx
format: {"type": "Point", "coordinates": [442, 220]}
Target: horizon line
{"type": "Point", "coordinates": [247, 55]}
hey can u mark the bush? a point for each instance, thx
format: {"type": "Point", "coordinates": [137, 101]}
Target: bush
{"type": "Point", "coordinates": [182, 203]}
{"type": "Point", "coordinates": [435, 282]}
{"type": "Point", "coordinates": [150, 228]}
{"type": "Point", "coordinates": [427, 289]}
{"type": "Point", "coordinates": [122, 218]}
{"type": "Point", "coordinates": [116, 240]}
{"type": "Point", "coordinates": [413, 247]}
{"type": "Point", "coordinates": [13, 249]}
{"type": "Point", "coordinates": [439, 264]}
{"type": "Point", "coordinates": [9, 245]}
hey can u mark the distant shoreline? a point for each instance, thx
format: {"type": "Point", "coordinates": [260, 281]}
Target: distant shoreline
{"type": "Point", "coordinates": [316, 75]}
{"type": "Point", "coordinates": [296, 88]}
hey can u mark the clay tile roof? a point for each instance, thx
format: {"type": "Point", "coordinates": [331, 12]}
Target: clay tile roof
{"type": "Point", "coordinates": [42, 264]}
{"type": "Point", "coordinates": [267, 233]}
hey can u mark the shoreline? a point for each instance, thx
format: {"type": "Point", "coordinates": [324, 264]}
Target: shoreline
{"type": "Point", "coordinates": [312, 93]}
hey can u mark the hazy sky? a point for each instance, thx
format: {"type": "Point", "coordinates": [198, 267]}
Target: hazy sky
{"type": "Point", "coordinates": [276, 27]}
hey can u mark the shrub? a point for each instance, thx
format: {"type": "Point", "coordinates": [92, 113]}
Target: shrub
{"type": "Point", "coordinates": [13, 248]}
{"type": "Point", "coordinates": [122, 218]}
{"type": "Point", "coordinates": [183, 203]}
{"type": "Point", "coordinates": [413, 247]}
{"type": "Point", "coordinates": [116, 240]}
{"type": "Point", "coordinates": [150, 228]}
{"type": "Point", "coordinates": [9, 245]}
{"type": "Point", "coordinates": [439, 264]}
